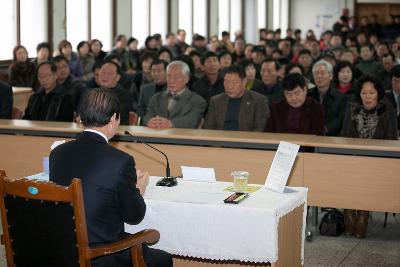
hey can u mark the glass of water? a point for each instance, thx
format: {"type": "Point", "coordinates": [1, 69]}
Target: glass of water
{"type": "Point", "coordinates": [240, 179]}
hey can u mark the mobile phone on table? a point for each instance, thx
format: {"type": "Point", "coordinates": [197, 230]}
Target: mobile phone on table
{"type": "Point", "coordinates": [235, 198]}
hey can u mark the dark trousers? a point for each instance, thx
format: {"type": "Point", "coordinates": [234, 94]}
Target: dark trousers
{"type": "Point", "coordinates": [156, 257]}
{"type": "Point", "coordinates": [153, 258]}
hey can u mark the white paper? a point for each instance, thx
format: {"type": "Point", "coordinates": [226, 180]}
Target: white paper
{"type": "Point", "coordinates": [281, 166]}
{"type": "Point", "coordinates": [56, 144]}
{"type": "Point", "coordinates": [198, 174]}
{"type": "Point", "coordinates": [43, 176]}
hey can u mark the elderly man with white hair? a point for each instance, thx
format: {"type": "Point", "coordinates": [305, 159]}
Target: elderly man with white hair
{"type": "Point", "coordinates": [333, 101]}
{"type": "Point", "coordinates": [176, 107]}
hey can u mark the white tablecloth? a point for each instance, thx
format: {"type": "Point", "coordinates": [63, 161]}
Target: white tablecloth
{"type": "Point", "coordinates": [193, 220]}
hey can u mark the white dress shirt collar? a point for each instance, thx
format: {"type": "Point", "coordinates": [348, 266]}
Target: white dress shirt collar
{"type": "Point", "coordinates": [97, 132]}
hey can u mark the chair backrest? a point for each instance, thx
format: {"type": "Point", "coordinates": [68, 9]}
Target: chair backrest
{"type": "Point", "coordinates": [133, 118]}
{"type": "Point", "coordinates": [43, 223]}
{"type": "Point", "coordinates": [16, 114]}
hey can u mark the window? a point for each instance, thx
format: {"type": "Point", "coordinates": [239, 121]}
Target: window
{"type": "Point", "coordinates": [200, 17]}
{"type": "Point", "coordinates": [140, 20]}
{"type": "Point", "coordinates": [77, 21]}
{"type": "Point", "coordinates": [262, 14]}
{"type": "Point", "coordinates": [281, 15]}
{"type": "Point", "coordinates": [101, 22]}
{"type": "Point", "coordinates": [158, 17]}
{"type": "Point", "coordinates": [223, 16]}
{"type": "Point", "coordinates": [235, 17]}
{"type": "Point", "coordinates": [33, 14]}
{"type": "Point", "coordinates": [8, 34]}
{"type": "Point", "coordinates": [185, 18]}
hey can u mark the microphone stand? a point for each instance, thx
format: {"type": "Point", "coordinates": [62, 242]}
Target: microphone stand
{"type": "Point", "coordinates": [168, 180]}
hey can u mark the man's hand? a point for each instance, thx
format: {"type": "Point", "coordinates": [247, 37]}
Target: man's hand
{"type": "Point", "coordinates": [165, 123]}
{"type": "Point", "coordinates": [153, 123]}
{"type": "Point", "coordinates": [142, 181]}
{"type": "Point", "coordinates": [158, 122]}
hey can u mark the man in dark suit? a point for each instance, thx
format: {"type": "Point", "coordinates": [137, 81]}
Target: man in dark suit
{"type": "Point", "coordinates": [272, 86]}
{"type": "Point", "coordinates": [211, 83]}
{"type": "Point", "coordinates": [110, 74]}
{"type": "Point", "coordinates": [112, 188]}
{"type": "Point", "coordinates": [394, 94]}
{"type": "Point", "coordinates": [237, 109]}
{"type": "Point", "coordinates": [159, 84]}
{"type": "Point", "coordinates": [69, 83]}
{"type": "Point", "coordinates": [50, 103]}
{"type": "Point", "coordinates": [176, 107]}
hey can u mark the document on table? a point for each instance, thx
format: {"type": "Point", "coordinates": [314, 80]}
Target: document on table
{"type": "Point", "coordinates": [198, 174]}
{"type": "Point", "coordinates": [281, 166]}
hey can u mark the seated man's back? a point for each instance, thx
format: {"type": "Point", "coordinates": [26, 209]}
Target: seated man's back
{"type": "Point", "coordinates": [111, 189]}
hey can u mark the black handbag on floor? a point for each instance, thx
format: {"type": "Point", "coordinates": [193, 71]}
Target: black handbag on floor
{"type": "Point", "coordinates": [332, 224]}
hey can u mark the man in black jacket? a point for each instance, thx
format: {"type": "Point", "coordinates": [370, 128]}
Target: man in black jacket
{"type": "Point", "coordinates": [110, 74]}
{"type": "Point", "coordinates": [211, 83]}
{"type": "Point", "coordinates": [50, 103]}
{"type": "Point", "coordinates": [333, 101]}
{"type": "Point", "coordinates": [112, 187]}
{"type": "Point", "coordinates": [70, 84]}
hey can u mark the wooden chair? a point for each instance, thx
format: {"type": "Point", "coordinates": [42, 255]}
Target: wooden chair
{"type": "Point", "coordinates": [44, 225]}
{"type": "Point", "coordinates": [16, 114]}
{"type": "Point", "coordinates": [133, 118]}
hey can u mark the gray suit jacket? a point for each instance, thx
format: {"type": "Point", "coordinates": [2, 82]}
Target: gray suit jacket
{"type": "Point", "coordinates": [147, 91]}
{"type": "Point", "coordinates": [253, 113]}
{"type": "Point", "coordinates": [186, 113]}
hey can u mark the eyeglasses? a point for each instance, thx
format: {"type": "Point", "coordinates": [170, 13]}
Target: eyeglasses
{"type": "Point", "coordinates": [232, 82]}
{"type": "Point", "coordinates": [45, 76]}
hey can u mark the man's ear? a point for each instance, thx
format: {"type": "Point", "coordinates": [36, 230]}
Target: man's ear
{"type": "Point", "coordinates": [113, 118]}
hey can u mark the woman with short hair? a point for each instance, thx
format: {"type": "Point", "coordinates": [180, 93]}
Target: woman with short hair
{"type": "Point", "coordinates": [368, 116]}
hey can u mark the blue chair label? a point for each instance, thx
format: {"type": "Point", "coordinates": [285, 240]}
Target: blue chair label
{"type": "Point", "coordinates": [33, 190]}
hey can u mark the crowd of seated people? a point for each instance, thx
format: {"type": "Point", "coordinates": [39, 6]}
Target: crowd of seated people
{"type": "Point", "coordinates": [269, 97]}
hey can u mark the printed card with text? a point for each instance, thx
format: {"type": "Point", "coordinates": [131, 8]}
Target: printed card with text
{"type": "Point", "coordinates": [281, 166]}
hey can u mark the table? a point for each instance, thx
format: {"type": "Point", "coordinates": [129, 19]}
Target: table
{"type": "Point", "coordinates": [194, 222]}
{"type": "Point", "coordinates": [341, 172]}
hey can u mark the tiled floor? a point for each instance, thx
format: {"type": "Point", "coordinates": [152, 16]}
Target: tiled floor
{"type": "Point", "coordinates": [380, 248]}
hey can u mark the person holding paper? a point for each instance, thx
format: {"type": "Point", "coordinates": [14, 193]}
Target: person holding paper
{"type": "Point", "coordinates": [297, 113]}
{"type": "Point", "coordinates": [370, 115]}
{"type": "Point", "coordinates": [112, 187]}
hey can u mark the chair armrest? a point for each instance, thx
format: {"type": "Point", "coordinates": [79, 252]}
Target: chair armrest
{"type": "Point", "coordinates": [148, 236]}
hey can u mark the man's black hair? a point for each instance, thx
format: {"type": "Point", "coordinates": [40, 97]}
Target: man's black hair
{"type": "Point", "coordinates": [51, 63]}
{"type": "Point", "coordinates": [42, 45]}
{"type": "Point", "coordinates": [268, 60]}
{"type": "Point", "coordinates": [159, 62]}
{"type": "Point", "coordinates": [97, 107]}
{"type": "Point", "coordinates": [60, 58]}
{"type": "Point", "coordinates": [206, 55]}
{"type": "Point", "coordinates": [238, 69]}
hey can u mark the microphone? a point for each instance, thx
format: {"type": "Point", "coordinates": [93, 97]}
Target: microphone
{"type": "Point", "coordinates": [168, 180]}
